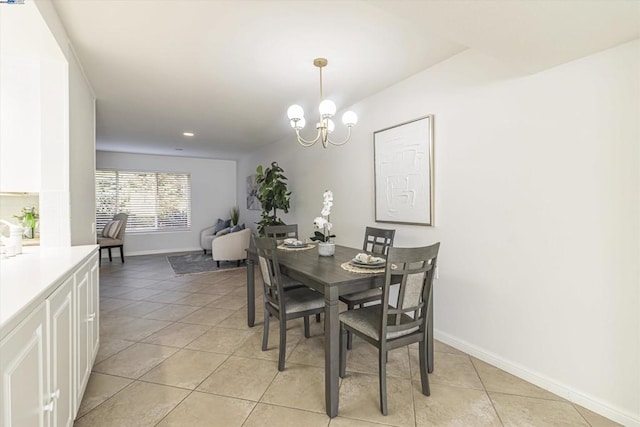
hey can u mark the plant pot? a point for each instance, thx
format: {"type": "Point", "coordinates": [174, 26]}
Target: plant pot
{"type": "Point", "coordinates": [326, 249]}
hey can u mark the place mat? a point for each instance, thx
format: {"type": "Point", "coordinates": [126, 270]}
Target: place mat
{"type": "Point", "coordinates": [353, 269]}
{"type": "Point", "coordinates": [301, 248]}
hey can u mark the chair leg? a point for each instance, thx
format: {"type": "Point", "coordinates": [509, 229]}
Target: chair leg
{"type": "Point", "coordinates": [307, 334]}
{"type": "Point", "coordinates": [218, 264]}
{"type": "Point", "coordinates": [283, 344]}
{"type": "Point", "coordinates": [318, 318]}
{"type": "Point", "coordinates": [349, 334]}
{"type": "Point", "coordinates": [382, 368]}
{"type": "Point", "coordinates": [100, 257]}
{"type": "Point", "coordinates": [122, 253]}
{"type": "Point", "coordinates": [110, 257]}
{"type": "Point", "coordinates": [424, 376]}
{"type": "Point", "coordinates": [205, 251]}
{"type": "Point", "coordinates": [343, 352]}
{"type": "Point", "coordinates": [265, 332]}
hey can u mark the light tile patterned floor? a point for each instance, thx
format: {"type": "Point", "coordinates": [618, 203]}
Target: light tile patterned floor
{"type": "Point", "coordinates": [176, 351]}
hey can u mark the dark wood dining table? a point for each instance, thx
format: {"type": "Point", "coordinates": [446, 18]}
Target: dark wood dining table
{"type": "Point", "coordinates": [325, 275]}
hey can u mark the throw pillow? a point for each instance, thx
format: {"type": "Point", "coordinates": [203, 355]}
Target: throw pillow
{"type": "Point", "coordinates": [111, 229]}
{"type": "Point", "coordinates": [222, 224]}
{"type": "Point", "coordinates": [237, 228]}
{"type": "Point", "coordinates": [223, 232]}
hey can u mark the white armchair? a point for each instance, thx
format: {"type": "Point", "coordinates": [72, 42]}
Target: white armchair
{"type": "Point", "coordinates": [231, 247]}
{"type": "Point", "coordinates": [206, 237]}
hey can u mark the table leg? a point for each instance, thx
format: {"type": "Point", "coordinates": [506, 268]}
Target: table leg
{"type": "Point", "coordinates": [331, 350]}
{"type": "Point", "coordinates": [251, 294]}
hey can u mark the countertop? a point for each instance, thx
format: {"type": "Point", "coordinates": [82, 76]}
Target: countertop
{"type": "Point", "coordinates": [29, 278]}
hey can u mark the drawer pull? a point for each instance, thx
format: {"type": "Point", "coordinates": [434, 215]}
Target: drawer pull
{"type": "Point", "coordinates": [48, 408]}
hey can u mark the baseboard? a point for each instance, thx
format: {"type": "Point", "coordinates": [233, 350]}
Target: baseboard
{"type": "Point", "coordinates": [164, 251]}
{"type": "Point", "coordinates": [153, 252]}
{"type": "Point", "coordinates": [593, 404]}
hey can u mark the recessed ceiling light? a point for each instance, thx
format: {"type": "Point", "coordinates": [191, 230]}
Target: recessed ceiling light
{"type": "Point", "coordinates": [188, 133]}
{"type": "Point", "coordinates": [179, 149]}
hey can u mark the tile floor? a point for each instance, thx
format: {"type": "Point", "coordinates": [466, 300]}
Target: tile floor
{"type": "Point", "coordinates": [176, 351]}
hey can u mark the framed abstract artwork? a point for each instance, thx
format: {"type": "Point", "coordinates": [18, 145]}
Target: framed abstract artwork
{"type": "Point", "coordinates": [253, 203]}
{"type": "Point", "coordinates": [403, 172]}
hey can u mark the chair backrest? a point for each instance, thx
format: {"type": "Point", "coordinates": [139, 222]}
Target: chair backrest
{"type": "Point", "coordinates": [270, 269]}
{"type": "Point", "coordinates": [281, 232]}
{"type": "Point", "coordinates": [378, 240]}
{"type": "Point", "coordinates": [413, 269]}
{"type": "Point", "coordinates": [121, 217]}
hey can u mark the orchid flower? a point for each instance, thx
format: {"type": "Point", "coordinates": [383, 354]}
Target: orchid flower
{"type": "Point", "coordinates": [322, 222]}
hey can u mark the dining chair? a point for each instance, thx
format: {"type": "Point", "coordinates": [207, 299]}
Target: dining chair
{"type": "Point", "coordinates": [283, 304]}
{"type": "Point", "coordinates": [279, 233]}
{"type": "Point", "coordinates": [402, 317]}
{"type": "Point", "coordinates": [376, 241]}
{"type": "Point", "coordinates": [282, 232]}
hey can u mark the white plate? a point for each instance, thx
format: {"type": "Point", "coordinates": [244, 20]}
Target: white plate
{"type": "Point", "coordinates": [376, 264]}
{"type": "Point", "coordinates": [372, 266]}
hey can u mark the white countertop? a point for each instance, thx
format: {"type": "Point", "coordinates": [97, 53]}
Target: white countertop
{"type": "Point", "coordinates": [29, 278]}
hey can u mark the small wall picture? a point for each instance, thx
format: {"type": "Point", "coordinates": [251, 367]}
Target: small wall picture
{"type": "Point", "coordinates": [253, 203]}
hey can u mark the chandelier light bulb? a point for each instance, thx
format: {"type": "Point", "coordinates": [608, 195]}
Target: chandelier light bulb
{"type": "Point", "coordinates": [327, 108]}
{"type": "Point", "coordinates": [349, 118]}
{"type": "Point", "coordinates": [295, 112]}
{"type": "Point", "coordinates": [330, 125]}
{"type": "Point", "coordinates": [298, 124]}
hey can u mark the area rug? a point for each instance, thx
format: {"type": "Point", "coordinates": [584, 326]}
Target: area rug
{"type": "Point", "coordinates": [196, 263]}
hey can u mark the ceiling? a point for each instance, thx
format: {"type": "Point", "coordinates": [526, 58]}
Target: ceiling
{"type": "Point", "coordinates": [228, 70]}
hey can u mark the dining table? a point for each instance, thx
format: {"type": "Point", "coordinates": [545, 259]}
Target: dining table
{"type": "Point", "coordinates": [326, 275]}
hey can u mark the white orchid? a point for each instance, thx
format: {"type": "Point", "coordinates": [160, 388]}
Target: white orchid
{"type": "Point", "coordinates": [328, 202]}
{"type": "Point", "coordinates": [319, 222]}
{"type": "Point", "coordinates": [322, 222]}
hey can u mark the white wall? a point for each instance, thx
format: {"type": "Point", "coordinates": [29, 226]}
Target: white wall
{"type": "Point", "coordinates": [213, 194]}
{"type": "Point", "coordinates": [537, 208]}
{"type": "Point", "coordinates": [72, 202]}
{"type": "Point", "coordinates": [82, 157]}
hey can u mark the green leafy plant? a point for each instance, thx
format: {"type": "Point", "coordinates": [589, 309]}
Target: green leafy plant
{"type": "Point", "coordinates": [273, 195]}
{"type": "Point", "coordinates": [234, 214]}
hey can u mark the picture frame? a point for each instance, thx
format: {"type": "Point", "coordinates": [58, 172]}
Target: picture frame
{"type": "Point", "coordinates": [253, 202]}
{"type": "Point", "coordinates": [404, 173]}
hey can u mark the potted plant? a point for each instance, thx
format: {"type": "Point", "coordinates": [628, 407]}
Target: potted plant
{"type": "Point", "coordinates": [235, 215]}
{"type": "Point", "coordinates": [29, 220]}
{"type": "Point", "coordinates": [273, 195]}
{"type": "Point", "coordinates": [325, 246]}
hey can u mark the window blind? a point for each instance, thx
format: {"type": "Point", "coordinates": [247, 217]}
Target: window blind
{"type": "Point", "coordinates": [155, 201]}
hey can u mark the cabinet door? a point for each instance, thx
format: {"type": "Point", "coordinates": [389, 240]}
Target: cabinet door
{"type": "Point", "coordinates": [62, 347]}
{"type": "Point", "coordinates": [83, 331]}
{"type": "Point", "coordinates": [24, 397]}
{"type": "Point", "coordinates": [95, 307]}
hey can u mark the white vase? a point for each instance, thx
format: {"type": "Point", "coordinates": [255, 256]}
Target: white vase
{"type": "Point", "coordinates": [326, 249]}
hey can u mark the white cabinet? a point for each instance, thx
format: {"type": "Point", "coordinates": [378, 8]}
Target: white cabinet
{"type": "Point", "coordinates": [46, 360]}
{"type": "Point", "coordinates": [86, 323]}
{"type": "Point", "coordinates": [24, 395]}
{"type": "Point", "coordinates": [95, 307]}
{"type": "Point", "coordinates": [61, 324]}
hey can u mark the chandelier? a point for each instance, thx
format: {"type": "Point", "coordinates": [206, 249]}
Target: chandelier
{"type": "Point", "coordinates": [325, 126]}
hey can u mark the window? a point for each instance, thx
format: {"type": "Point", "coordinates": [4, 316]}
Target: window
{"type": "Point", "coordinates": [155, 201]}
